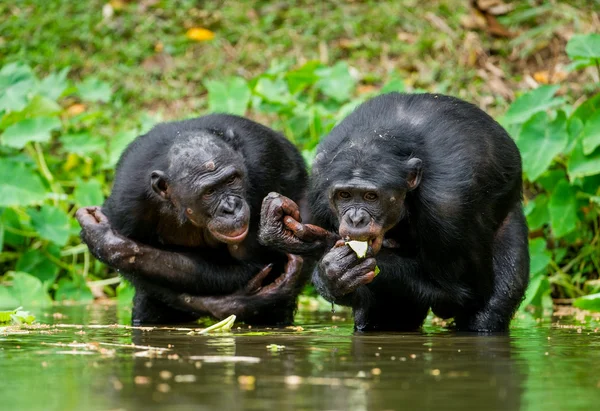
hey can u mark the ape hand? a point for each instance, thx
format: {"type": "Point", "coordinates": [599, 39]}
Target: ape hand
{"type": "Point", "coordinates": [281, 227]}
{"type": "Point", "coordinates": [104, 244]}
{"type": "Point", "coordinates": [341, 272]}
{"type": "Point", "coordinates": [255, 301]}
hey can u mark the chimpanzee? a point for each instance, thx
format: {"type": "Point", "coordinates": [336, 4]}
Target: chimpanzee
{"type": "Point", "coordinates": [434, 185]}
{"type": "Point", "coordinates": [181, 222]}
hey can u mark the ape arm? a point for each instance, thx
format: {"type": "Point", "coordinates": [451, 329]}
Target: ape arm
{"type": "Point", "coordinates": [255, 302]}
{"type": "Point", "coordinates": [397, 299]}
{"type": "Point", "coordinates": [185, 271]}
{"type": "Point", "coordinates": [281, 228]}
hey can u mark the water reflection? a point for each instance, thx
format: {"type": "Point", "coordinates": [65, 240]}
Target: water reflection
{"type": "Point", "coordinates": [325, 366]}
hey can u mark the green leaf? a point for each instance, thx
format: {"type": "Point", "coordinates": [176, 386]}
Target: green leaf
{"type": "Point", "coordinates": [303, 77]}
{"type": "Point", "coordinates": [538, 287]}
{"type": "Point", "coordinates": [82, 143]}
{"type": "Point", "coordinates": [28, 290]}
{"type": "Point", "coordinates": [336, 82]}
{"type": "Point", "coordinates": [16, 82]}
{"type": "Point", "coordinates": [8, 301]}
{"type": "Point", "coordinates": [396, 83]}
{"type": "Point", "coordinates": [540, 141]}
{"type": "Point", "coordinates": [36, 263]}
{"type": "Point", "coordinates": [584, 46]}
{"type": "Point", "coordinates": [93, 89]}
{"type": "Point", "coordinates": [537, 212]}
{"type": "Point", "coordinates": [563, 209]}
{"type": "Point", "coordinates": [54, 84]}
{"type": "Point", "coordinates": [531, 103]}
{"type": "Point", "coordinates": [231, 96]}
{"type": "Point", "coordinates": [274, 91]}
{"type": "Point", "coordinates": [581, 165]}
{"type": "Point", "coordinates": [51, 223]}
{"type": "Point", "coordinates": [88, 193]}
{"type": "Point", "coordinates": [39, 106]}
{"type": "Point", "coordinates": [125, 292]}
{"type": "Point", "coordinates": [551, 178]}
{"type": "Point", "coordinates": [588, 302]}
{"type": "Point", "coordinates": [117, 145]}
{"type": "Point", "coordinates": [591, 133]}
{"type": "Point", "coordinates": [20, 186]}
{"type": "Point", "coordinates": [31, 129]}
{"type": "Point", "coordinates": [68, 290]}
{"type": "Point", "coordinates": [540, 257]}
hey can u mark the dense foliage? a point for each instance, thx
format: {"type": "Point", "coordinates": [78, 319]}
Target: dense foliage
{"type": "Point", "coordinates": [59, 148]}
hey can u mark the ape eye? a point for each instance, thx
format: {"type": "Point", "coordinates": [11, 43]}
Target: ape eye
{"type": "Point", "coordinates": [370, 196]}
{"type": "Point", "coordinates": [232, 180]}
{"type": "Point", "coordinates": [189, 211]}
{"type": "Point", "coordinates": [209, 192]}
{"type": "Point", "coordinates": [344, 194]}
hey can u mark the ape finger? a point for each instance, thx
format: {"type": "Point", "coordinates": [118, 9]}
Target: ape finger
{"type": "Point", "coordinates": [256, 282]}
{"type": "Point", "coordinates": [276, 205]}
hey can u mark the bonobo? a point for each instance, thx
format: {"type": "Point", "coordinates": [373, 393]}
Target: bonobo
{"type": "Point", "coordinates": [181, 221]}
{"type": "Point", "coordinates": [434, 185]}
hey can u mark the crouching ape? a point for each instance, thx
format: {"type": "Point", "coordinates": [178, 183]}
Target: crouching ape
{"type": "Point", "coordinates": [434, 186]}
{"type": "Point", "coordinates": [181, 222]}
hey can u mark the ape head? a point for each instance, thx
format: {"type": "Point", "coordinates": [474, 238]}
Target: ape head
{"type": "Point", "coordinates": [366, 196]}
{"type": "Point", "coordinates": [205, 183]}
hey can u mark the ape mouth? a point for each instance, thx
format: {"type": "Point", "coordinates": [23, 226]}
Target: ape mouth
{"type": "Point", "coordinates": [235, 237]}
{"type": "Point", "coordinates": [373, 235]}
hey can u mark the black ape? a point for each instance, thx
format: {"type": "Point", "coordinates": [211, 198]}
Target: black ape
{"type": "Point", "coordinates": [185, 207]}
{"type": "Point", "coordinates": [435, 186]}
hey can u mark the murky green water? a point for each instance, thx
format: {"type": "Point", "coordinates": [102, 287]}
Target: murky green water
{"type": "Point", "coordinates": [554, 365]}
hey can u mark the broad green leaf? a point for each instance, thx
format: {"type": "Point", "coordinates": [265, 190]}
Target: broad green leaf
{"type": "Point", "coordinates": [28, 290]}
{"type": "Point", "coordinates": [584, 46]}
{"type": "Point", "coordinates": [574, 128]}
{"type": "Point", "coordinates": [125, 292]}
{"type": "Point", "coordinates": [581, 165]}
{"type": "Point", "coordinates": [231, 96]}
{"type": "Point", "coordinates": [590, 134]}
{"type": "Point", "coordinates": [1, 236]}
{"type": "Point", "coordinates": [540, 256]}
{"type": "Point", "coordinates": [69, 290]}
{"type": "Point", "coordinates": [396, 83]}
{"type": "Point", "coordinates": [117, 145]}
{"type": "Point", "coordinates": [54, 84]}
{"type": "Point", "coordinates": [8, 301]}
{"type": "Point", "coordinates": [531, 103]}
{"type": "Point", "coordinates": [540, 141]}
{"type": "Point", "coordinates": [88, 193]}
{"type": "Point", "coordinates": [537, 212]}
{"type": "Point", "coordinates": [31, 129]}
{"type": "Point", "coordinates": [274, 91]}
{"type": "Point", "coordinates": [595, 199]}
{"type": "Point", "coordinates": [10, 218]}
{"type": "Point", "coordinates": [589, 302]}
{"type": "Point", "coordinates": [336, 82]}
{"type": "Point", "coordinates": [303, 77]}
{"type": "Point", "coordinates": [20, 186]}
{"type": "Point", "coordinates": [563, 209]}
{"type": "Point", "coordinates": [16, 82]}
{"type": "Point", "coordinates": [82, 143]}
{"type": "Point", "coordinates": [93, 89]}
{"type": "Point", "coordinates": [39, 106]}
{"type": "Point", "coordinates": [51, 223]}
{"type": "Point", "coordinates": [36, 263]}
{"type": "Point", "coordinates": [538, 287]}
{"type": "Point", "coordinates": [551, 178]}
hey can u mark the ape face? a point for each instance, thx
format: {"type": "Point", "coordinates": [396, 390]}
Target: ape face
{"type": "Point", "coordinates": [207, 187]}
{"type": "Point", "coordinates": [367, 207]}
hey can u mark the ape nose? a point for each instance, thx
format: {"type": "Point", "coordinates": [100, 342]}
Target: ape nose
{"type": "Point", "coordinates": [358, 218]}
{"type": "Point", "coordinates": [229, 206]}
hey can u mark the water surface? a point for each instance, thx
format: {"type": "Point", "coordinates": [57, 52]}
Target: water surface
{"type": "Point", "coordinates": [76, 363]}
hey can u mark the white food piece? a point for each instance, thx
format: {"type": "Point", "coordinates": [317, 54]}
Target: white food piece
{"type": "Point", "coordinates": [359, 247]}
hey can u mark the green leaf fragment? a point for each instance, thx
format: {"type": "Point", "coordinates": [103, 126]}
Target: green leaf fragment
{"type": "Point", "coordinates": [589, 302]}
{"type": "Point", "coordinates": [16, 317]}
{"type": "Point", "coordinates": [377, 270]}
{"type": "Point", "coordinates": [221, 326]}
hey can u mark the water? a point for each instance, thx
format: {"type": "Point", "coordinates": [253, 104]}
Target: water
{"type": "Point", "coordinates": [549, 365]}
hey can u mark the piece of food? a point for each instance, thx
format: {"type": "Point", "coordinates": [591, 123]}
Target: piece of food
{"type": "Point", "coordinates": [16, 317]}
{"type": "Point", "coordinates": [221, 326]}
{"type": "Point", "coordinates": [377, 270]}
{"type": "Point", "coordinates": [359, 247]}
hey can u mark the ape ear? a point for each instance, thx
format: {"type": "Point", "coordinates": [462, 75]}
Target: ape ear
{"type": "Point", "coordinates": [159, 184]}
{"type": "Point", "coordinates": [413, 178]}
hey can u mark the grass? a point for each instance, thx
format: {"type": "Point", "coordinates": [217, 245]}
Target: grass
{"type": "Point", "coordinates": [141, 48]}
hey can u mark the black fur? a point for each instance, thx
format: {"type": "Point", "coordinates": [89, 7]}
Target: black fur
{"type": "Point", "coordinates": [463, 247]}
{"type": "Point", "coordinates": [170, 252]}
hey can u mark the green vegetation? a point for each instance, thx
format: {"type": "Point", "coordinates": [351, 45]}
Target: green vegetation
{"type": "Point", "coordinates": [80, 80]}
